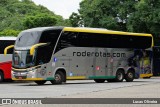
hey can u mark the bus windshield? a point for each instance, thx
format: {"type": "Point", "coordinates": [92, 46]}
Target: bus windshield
{"type": "Point", "coordinates": [42, 54]}
{"type": "Point", "coordinates": [22, 59]}
{"type": "Point", "coordinates": [27, 39]}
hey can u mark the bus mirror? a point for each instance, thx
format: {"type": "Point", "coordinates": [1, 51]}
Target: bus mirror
{"type": "Point", "coordinates": [35, 46]}
{"type": "Point", "coordinates": [6, 49]}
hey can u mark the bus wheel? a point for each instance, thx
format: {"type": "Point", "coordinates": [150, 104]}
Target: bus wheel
{"type": "Point", "coordinates": [99, 80]}
{"type": "Point", "coordinates": [119, 76]}
{"type": "Point", "coordinates": [40, 82]}
{"type": "Point", "coordinates": [59, 78]}
{"type": "Point", "coordinates": [129, 77]}
{"type": "Point", "coordinates": [1, 76]}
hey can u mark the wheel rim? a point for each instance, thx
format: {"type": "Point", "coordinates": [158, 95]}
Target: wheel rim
{"type": "Point", "coordinates": [130, 75]}
{"type": "Point", "coordinates": [57, 77]}
{"type": "Point", "coordinates": [119, 76]}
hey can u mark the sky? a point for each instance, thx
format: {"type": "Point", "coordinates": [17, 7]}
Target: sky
{"type": "Point", "coordinates": [60, 7]}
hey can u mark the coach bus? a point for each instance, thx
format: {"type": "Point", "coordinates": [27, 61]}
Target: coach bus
{"type": "Point", "coordinates": [57, 54]}
{"type": "Point", "coordinates": [6, 61]}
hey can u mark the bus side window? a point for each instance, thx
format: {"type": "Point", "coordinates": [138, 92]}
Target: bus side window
{"type": "Point", "coordinates": [44, 53]}
{"type": "Point", "coordinates": [92, 40]}
{"type": "Point", "coordinates": [67, 39]}
{"type": "Point", "coordinates": [10, 51]}
{"type": "Point", "coordinates": [83, 40]}
{"type": "Point", "coordinates": [4, 44]}
{"type": "Point", "coordinates": [129, 41]}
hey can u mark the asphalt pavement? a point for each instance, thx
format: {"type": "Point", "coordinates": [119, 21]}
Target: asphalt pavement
{"type": "Point", "coordinates": [139, 88]}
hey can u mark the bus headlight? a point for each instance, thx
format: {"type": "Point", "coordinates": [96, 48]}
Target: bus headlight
{"type": "Point", "coordinates": [12, 72]}
{"type": "Point", "coordinates": [31, 69]}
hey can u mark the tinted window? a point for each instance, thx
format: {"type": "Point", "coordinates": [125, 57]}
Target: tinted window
{"type": "Point", "coordinates": [4, 44]}
{"type": "Point", "coordinates": [44, 53]}
{"type": "Point", "coordinates": [113, 41]}
{"type": "Point", "coordinates": [72, 39]}
{"type": "Point", "coordinates": [92, 40]}
{"type": "Point", "coordinates": [67, 39]}
{"type": "Point", "coordinates": [27, 39]}
{"type": "Point", "coordinates": [124, 41]}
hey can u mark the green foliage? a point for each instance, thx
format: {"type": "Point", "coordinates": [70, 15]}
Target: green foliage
{"type": "Point", "coordinates": [76, 20]}
{"type": "Point", "coordinates": [147, 14]}
{"type": "Point", "coordinates": [41, 20]}
{"type": "Point", "coordinates": [110, 14]}
{"type": "Point", "coordinates": [18, 15]}
{"type": "Point", "coordinates": [141, 16]}
{"type": "Point", "coordinates": [146, 18]}
{"type": "Point", "coordinates": [62, 22]}
{"type": "Point", "coordinates": [9, 32]}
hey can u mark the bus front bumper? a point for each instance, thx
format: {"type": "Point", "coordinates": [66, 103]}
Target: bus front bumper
{"type": "Point", "coordinates": [28, 79]}
{"type": "Point", "coordinates": [29, 75]}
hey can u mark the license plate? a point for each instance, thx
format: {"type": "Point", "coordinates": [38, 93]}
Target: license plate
{"type": "Point", "coordinates": [20, 78]}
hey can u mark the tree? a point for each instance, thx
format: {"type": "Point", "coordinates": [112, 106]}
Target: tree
{"type": "Point", "coordinates": [141, 16]}
{"type": "Point", "coordinates": [6, 2]}
{"type": "Point", "coordinates": [76, 20]}
{"type": "Point", "coordinates": [148, 15]}
{"type": "Point", "coordinates": [14, 13]}
{"type": "Point", "coordinates": [62, 22]}
{"type": "Point", "coordinates": [146, 18]}
{"type": "Point", "coordinates": [110, 14]}
{"type": "Point", "coordinates": [9, 32]}
{"type": "Point", "coordinates": [41, 20]}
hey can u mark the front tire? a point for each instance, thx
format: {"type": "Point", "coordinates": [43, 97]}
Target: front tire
{"type": "Point", "coordinates": [130, 76]}
{"type": "Point", "coordinates": [119, 76]}
{"type": "Point", "coordinates": [59, 78]}
{"type": "Point", "coordinates": [99, 80]}
{"type": "Point", "coordinates": [1, 76]}
{"type": "Point", "coordinates": [40, 82]}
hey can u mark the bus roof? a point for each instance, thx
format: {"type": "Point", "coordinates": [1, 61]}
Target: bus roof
{"type": "Point", "coordinates": [87, 30]}
{"type": "Point", "coordinates": [41, 29]}
{"type": "Point", "coordinates": [102, 31]}
{"type": "Point", "coordinates": [8, 38]}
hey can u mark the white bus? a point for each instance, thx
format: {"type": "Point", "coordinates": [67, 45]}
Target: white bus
{"type": "Point", "coordinates": [57, 54]}
{"type": "Point", "coordinates": [6, 62]}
